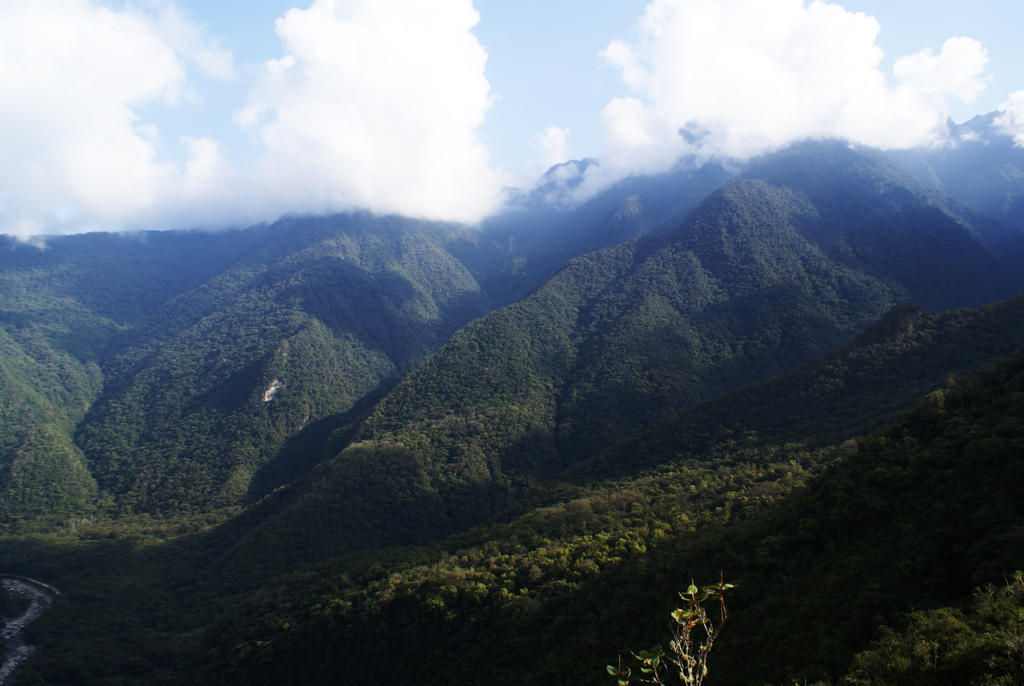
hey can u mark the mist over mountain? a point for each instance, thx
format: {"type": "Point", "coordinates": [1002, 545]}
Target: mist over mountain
{"type": "Point", "coordinates": [295, 444]}
{"type": "Point", "coordinates": [981, 165]}
{"type": "Point", "coordinates": [769, 271]}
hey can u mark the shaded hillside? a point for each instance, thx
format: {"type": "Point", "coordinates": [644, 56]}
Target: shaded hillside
{"type": "Point", "coordinates": [855, 390]}
{"type": "Point", "coordinates": [579, 570]}
{"type": "Point", "coordinates": [43, 394]}
{"type": "Point", "coordinates": [922, 513]}
{"type": "Point", "coordinates": [972, 642]}
{"type": "Point", "coordinates": [824, 543]}
{"type": "Point", "coordinates": [63, 308]}
{"type": "Point", "coordinates": [188, 333]}
{"type": "Point", "coordinates": [523, 504]}
{"type": "Point", "coordinates": [874, 217]}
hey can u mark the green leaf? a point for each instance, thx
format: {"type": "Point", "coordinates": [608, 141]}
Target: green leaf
{"type": "Point", "coordinates": [613, 670]}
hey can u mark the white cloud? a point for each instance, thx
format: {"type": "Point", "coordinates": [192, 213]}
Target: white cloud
{"type": "Point", "coordinates": [72, 77]}
{"type": "Point", "coordinates": [192, 41]}
{"type": "Point", "coordinates": [375, 105]}
{"type": "Point", "coordinates": [957, 71]}
{"type": "Point", "coordinates": [552, 147]}
{"type": "Point", "coordinates": [745, 76]}
{"type": "Point", "coordinates": [1011, 118]}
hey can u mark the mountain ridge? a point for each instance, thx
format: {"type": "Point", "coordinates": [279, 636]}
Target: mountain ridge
{"type": "Point", "coordinates": [617, 339]}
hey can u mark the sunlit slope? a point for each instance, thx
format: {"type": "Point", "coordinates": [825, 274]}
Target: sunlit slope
{"type": "Point", "coordinates": [267, 348]}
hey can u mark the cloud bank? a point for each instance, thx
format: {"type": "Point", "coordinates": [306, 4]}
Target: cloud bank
{"type": "Point", "coordinates": [374, 104]}
{"type": "Point", "coordinates": [377, 104]}
{"type": "Point", "coordinates": [741, 77]}
{"type": "Point", "coordinates": [72, 75]}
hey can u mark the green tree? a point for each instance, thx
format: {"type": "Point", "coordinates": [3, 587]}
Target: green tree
{"type": "Point", "coordinates": [693, 636]}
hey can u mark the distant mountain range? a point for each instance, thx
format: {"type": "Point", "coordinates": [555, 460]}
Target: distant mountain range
{"type": "Point", "coordinates": [981, 167]}
{"type": "Point", "coordinates": [273, 455]}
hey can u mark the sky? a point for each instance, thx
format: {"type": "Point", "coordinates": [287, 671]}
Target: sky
{"type": "Point", "coordinates": [139, 114]}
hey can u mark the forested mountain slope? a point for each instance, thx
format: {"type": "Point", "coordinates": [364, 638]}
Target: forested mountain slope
{"type": "Point", "coordinates": [874, 217]}
{"type": "Point", "coordinates": [181, 372]}
{"type": "Point", "coordinates": [63, 308]}
{"type": "Point", "coordinates": [765, 274]}
{"type": "Point", "coordinates": [825, 542]}
{"type": "Point", "coordinates": [158, 353]}
{"type": "Point", "coordinates": [856, 389]}
{"type": "Point", "coordinates": [266, 349]}
{"type": "Point", "coordinates": [160, 347]}
{"type": "Point", "coordinates": [919, 516]}
{"type": "Point", "coordinates": [583, 561]}
{"type": "Point", "coordinates": [43, 394]}
{"type": "Point", "coordinates": [547, 228]}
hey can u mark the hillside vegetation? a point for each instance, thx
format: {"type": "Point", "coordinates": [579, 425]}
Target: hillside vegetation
{"type": "Point", "coordinates": [582, 566]}
{"type": "Point", "coordinates": [335, 450]}
{"type": "Point", "coordinates": [158, 348]}
{"type": "Point", "coordinates": [760, 278]}
{"type": "Point", "coordinates": [154, 401]}
{"type": "Point", "coordinates": [824, 543]}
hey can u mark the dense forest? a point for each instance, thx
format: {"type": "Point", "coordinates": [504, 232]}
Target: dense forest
{"type": "Point", "coordinates": [366, 449]}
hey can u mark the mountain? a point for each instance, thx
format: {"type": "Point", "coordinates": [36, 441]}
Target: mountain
{"type": "Point", "coordinates": [874, 217]}
{"type": "Point", "coordinates": [770, 271]}
{"type": "Point", "coordinates": [585, 565]}
{"type": "Point", "coordinates": [345, 448]}
{"type": "Point", "coordinates": [549, 227]}
{"type": "Point", "coordinates": [920, 515]}
{"type": "Point", "coordinates": [825, 540]}
{"type": "Point", "coordinates": [980, 165]}
{"type": "Point", "coordinates": [854, 390]}
{"type": "Point", "coordinates": [201, 371]}
{"type": "Point", "coordinates": [222, 347]}
{"type": "Point", "coordinates": [62, 307]}
{"type": "Point", "coordinates": [268, 348]}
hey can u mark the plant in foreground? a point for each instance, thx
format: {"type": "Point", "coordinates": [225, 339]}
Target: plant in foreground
{"type": "Point", "coordinates": [687, 653]}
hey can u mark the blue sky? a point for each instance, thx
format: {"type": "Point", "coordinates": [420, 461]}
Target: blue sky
{"type": "Point", "coordinates": [176, 113]}
{"type": "Point", "coordinates": [544, 58]}
{"type": "Point", "coordinates": [545, 67]}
